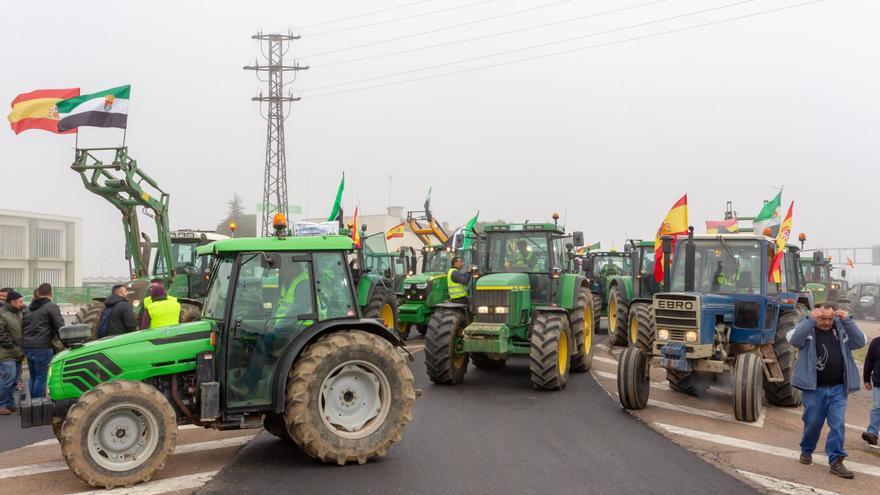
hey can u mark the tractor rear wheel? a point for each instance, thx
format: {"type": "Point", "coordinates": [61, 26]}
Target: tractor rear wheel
{"type": "Point", "coordinates": [689, 383]}
{"type": "Point", "coordinates": [641, 326]}
{"type": "Point", "coordinates": [483, 361]}
{"type": "Point", "coordinates": [349, 397]}
{"type": "Point", "coordinates": [118, 434]}
{"type": "Point", "coordinates": [783, 394]}
{"type": "Point", "coordinates": [633, 378]}
{"type": "Point", "coordinates": [617, 311]}
{"type": "Point", "coordinates": [90, 314]}
{"type": "Point", "coordinates": [748, 374]}
{"type": "Point", "coordinates": [597, 313]}
{"type": "Point", "coordinates": [274, 424]}
{"type": "Point", "coordinates": [189, 312]}
{"type": "Point", "coordinates": [581, 324]}
{"type": "Point", "coordinates": [403, 329]}
{"type": "Point", "coordinates": [382, 306]}
{"type": "Point", "coordinates": [443, 364]}
{"type": "Point", "coordinates": [550, 355]}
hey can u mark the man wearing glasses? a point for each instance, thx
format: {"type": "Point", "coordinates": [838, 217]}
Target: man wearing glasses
{"type": "Point", "coordinates": [826, 373]}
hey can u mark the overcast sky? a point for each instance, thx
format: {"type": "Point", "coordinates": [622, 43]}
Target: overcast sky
{"type": "Point", "coordinates": [610, 136]}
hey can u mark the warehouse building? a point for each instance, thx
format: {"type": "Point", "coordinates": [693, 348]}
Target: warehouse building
{"type": "Point", "coordinates": [37, 248]}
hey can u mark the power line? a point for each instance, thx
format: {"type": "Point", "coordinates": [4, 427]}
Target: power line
{"type": "Point", "coordinates": [573, 50]}
{"type": "Point", "coordinates": [532, 47]}
{"type": "Point", "coordinates": [437, 30]}
{"type": "Point", "coordinates": [492, 35]}
{"type": "Point", "coordinates": [396, 19]}
{"type": "Point", "coordinates": [365, 14]}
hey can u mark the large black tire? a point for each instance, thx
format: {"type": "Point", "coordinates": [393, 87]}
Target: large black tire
{"type": "Point", "coordinates": [633, 378]}
{"type": "Point", "coordinates": [120, 405]}
{"type": "Point", "coordinates": [597, 313]}
{"type": "Point", "coordinates": [641, 322]}
{"type": "Point", "coordinates": [325, 379]}
{"type": "Point", "coordinates": [382, 305]}
{"type": "Point", "coordinates": [748, 375]}
{"type": "Point", "coordinates": [90, 314]}
{"type": "Point", "coordinates": [550, 354]}
{"type": "Point", "coordinates": [692, 383]}
{"type": "Point", "coordinates": [443, 365]}
{"type": "Point", "coordinates": [189, 312]}
{"type": "Point", "coordinates": [483, 361]}
{"type": "Point", "coordinates": [422, 328]}
{"type": "Point", "coordinates": [783, 394]}
{"type": "Point", "coordinates": [580, 321]}
{"type": "Point", "coordinates": [617, 320]}
{"type": "Point", "coordinates": [274, 424]}
{"type": "Point", "coordinates": [56, 427]}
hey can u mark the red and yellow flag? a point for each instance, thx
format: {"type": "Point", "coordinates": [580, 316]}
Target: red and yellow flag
{"type": "Point", "coordinates": [781, 242]}
{"type": "Point", "coordinates": [394, 232]}
{"type": "Point", "coordinates": [36, 110]}
{"type": "Point", "coordinates": [355, 230]}
{"type": "Point", "coordinates": [675, 223]}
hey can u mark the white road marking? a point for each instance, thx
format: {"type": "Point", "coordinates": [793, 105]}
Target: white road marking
{"type": "Point", "coordinates": [415, 348]}
{"type": "Point", "coordinates": [605, 360]}
{"type": "Point", "coordinates": [188, 482]}
{"type": "Point", "coordinates": [707, 413]}
{"type": "Point", "coordinates": [48, 467]}
{"type": "Point", "coordinates": [611, 376]}
{"type": "Point", "coordinates": [783, 486]}
{"type": "Point", "coordinates": [603, 347]}
{"type": "Point", "coordinates": [763, 448]}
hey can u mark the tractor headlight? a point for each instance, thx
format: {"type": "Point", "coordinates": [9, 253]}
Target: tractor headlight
{"type": "Point", "coordinates": [483, 310]}
{"type": "Point", "coordinates": [663, 334]}
{"type": "Point", "coordinates": [502, 310]}
{"type": "Point", "coordinates": [690, 336]}
{"type": "Point", "coordinates": [421, 286]}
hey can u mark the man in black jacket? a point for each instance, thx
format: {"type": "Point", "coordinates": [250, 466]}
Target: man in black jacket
{"type": "Point", "coordinates": [121, 312]}
{"type": "Point", "coordinates": [871, 376]}
{"type": "Point", "coordinates": [40, 327]}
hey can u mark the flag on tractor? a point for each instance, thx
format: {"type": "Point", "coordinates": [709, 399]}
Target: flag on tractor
{"type": "Point", "coordinates": [730, 226]}
{"type": "Point", "coordinates": [675, 223]}
{"type": "Point", "coordinates": [586, 249]}
{"type": "Point", "coordinates": [37, 110]}
{"type": "Point", "coordinates": [336, 212]}
{"type": "Point", "coordinates": [355, 231]}
{"type": "Point", "coordinates": [108, 108]}
{"type": "Point", "coordinates": [769, 217]}
{"type": "Point", "coordinates": [781, 242]}
{"type": "Point", "coordinates": [469, 232]}
{"type": "Point", "coordinates": [395, 232]}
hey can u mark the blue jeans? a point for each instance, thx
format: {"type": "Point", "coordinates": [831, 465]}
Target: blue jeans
{"type": "Point", "coordinates": [874, 425]}
{"type": "Point", "coordinates": [826, 403]}
{"type": "Point", "coordinates": [38, 365]}
{"type": "Point", "coordinates": [7, 382]}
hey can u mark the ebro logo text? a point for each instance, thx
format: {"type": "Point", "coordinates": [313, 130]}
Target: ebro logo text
{"type": "Point", "coordinates": [681, 305]}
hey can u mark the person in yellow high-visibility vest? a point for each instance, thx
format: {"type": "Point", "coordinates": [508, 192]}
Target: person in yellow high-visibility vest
{"type": "Point", "coordinates": [156, 282]}
{"type": "Point", "coordinates": [523, 259]}
{"type": "Point", "coordinates": [457, 282]}
{"type": "Point", "coordinates": [162, 311]}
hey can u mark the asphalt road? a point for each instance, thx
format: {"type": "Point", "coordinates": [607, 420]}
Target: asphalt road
{"type": "Point", "coordinates": [494, 433]}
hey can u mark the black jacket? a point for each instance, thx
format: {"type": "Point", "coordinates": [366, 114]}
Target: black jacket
{"type": "Point", "coordinates": [122, 318]}
{"type": "Point", "coordinates": [41, 324]}
{"type": "Point", "coordinates": [871, 371]}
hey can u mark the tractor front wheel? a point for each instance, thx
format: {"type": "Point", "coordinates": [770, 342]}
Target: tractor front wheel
{"type": "Point", "coordinates": [349, 397]}
{"type": "Point", "coordinates": [617, 311]}
{"type": "Point", "coordinates": [550, 354]}
{"type": "Point", "coordinates": [118, 434]}
{"type": "Point", "coordinates": [382, 306]}
{"type": "Point", "coordinates": [581, 324]}
{"type": "Point", "coordinates": [443, 364]}
{"type": "Point", "coordinates": [748, 375]}
{"type": "Point", "coordinates": [641, 326]}
{"type": "Point", "coordinates": [689, 383]}
{"type": "Point", "coordinates": [633, 378]}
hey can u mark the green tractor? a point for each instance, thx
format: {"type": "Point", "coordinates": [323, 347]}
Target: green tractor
{"type": "Point", "coordinates": [529, 302]}
{"type": "Point", "coordinates": [125, 185]}
{"type": "Point", "coordinates": [378, 276]}
{"type": "Point", "coordinates": [817, 273]}
{"type": "Point", "coordinates": [280, 345]}
{"type": "Point", "coordinates": [630, 296]}
{"type": "Point", "coordinates": [604, 271]}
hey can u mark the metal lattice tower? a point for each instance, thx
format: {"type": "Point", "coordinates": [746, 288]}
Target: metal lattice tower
{"type": "Point", "coordinates": [275, 175]}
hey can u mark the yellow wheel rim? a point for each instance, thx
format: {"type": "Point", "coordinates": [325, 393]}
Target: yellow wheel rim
{"type": "Point", "coordinates": [612, 315]}
{"type": "Point", "coordinates": [588, 330]}
{"type": "Point", "coordinates": [562, 351]}
{"type": "Point", "coordinates": [387, 315]}
{"type": "Point", "coordinates": [633, 330]}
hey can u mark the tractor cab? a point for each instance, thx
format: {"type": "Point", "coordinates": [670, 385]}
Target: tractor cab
{"type": "Point", "coordinates": [818, 274]}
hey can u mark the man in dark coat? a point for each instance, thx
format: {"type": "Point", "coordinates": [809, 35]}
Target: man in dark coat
{"type": "Point", "coordinates": [40, 327]}
{"type": "Point", "coordinates": [122, 318]}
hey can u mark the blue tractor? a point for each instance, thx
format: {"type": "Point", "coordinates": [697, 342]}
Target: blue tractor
{"type": "Point", "coordinates": [721, 318]}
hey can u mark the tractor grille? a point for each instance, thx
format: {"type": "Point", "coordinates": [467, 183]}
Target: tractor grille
{"type": "Point", "coordinates": [416, 295]}
{"type": "Point", "coordinates": [676, 311]}
{"type": "Point", "coordinates": [491, 299]}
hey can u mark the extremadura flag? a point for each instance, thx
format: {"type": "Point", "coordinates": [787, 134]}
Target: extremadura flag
{"type": "Point", "coordinates": [37, 110]}
{"type": "Point", "coordinates": [107, 108]}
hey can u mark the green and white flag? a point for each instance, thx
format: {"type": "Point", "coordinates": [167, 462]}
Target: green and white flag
{"type": "Point", "coordinates": [108, 108]}
{"type": "Point", "coordinates": [336, 212]}
{"type": "Point", "coordinates": [469, 232]}
{"type": "Point", "coordinates": [769, 216]}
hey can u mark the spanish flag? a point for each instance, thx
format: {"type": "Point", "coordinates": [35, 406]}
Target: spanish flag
{"type": "Point", "coordinates": [781, 242]}
{"type": "Point", "coordinates": [37, 110]}
{"type": "Point", "coordinates": [675, 223]}
{"type": "Point", "coordinates": [394, 232]}
{"type": "Point", "coordinates": [355, 230]}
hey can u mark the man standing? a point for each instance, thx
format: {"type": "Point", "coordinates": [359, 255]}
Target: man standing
{"type": "Point", "coordinates": [457, 282]}
{"type": "Point", "coordinates": [3, 293]}
{"type": "Point", "coordinates": [40, 328]}
{"type": "Point", "coordinates": [163, 310]}
{"type": "Point", "coordinates": [826, 373]}
{"type": "Point", "coordinates": [871, 376]}
{"type": "Point", "coordinates": [121, 318]}
{"type": "Point", "coordinates": [10, 350]}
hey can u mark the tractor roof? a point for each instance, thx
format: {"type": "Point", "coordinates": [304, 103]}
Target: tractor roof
{"type": "Point", "coordinates": [310, 243]}
{"type": "Point", "coordinates": [524, 227]}
{"type": "Point", "coordinates": [188, 235]}
{"type": "Point", "coordinates": [730, 237]}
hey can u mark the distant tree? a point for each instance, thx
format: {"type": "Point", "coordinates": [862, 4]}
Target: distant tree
{"type": "Point", "coordinates": [245, 224]}
{"type": "Point", "coordinates": [236, 209]}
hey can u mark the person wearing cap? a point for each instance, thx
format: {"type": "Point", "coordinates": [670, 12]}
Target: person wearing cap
{"type": "Point", "coordinates": [162, 311]}
{"type": "Point", "coordinates": [11, 353]}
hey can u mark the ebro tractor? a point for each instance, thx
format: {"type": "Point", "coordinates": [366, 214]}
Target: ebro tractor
{"type": "Point", "coordinates": [528, 303]}
{"type": "Point", "coordinates": [280, 345]}
{"type": "Point", "coordinates": [720, 315]}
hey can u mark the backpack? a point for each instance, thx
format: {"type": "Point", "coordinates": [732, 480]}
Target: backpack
{"type": "Point", "coordinates": [104, 323]}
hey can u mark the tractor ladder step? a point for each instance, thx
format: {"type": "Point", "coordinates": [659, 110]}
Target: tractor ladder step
{"type": "Point", "coordinates": [772, 371]}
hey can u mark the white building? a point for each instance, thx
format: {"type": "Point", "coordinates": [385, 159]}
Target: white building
{"type": "Point", "coordinates": [37, 248]}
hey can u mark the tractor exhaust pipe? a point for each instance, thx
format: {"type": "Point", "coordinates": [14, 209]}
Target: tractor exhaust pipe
{"type": "Point", "coordinates": [689, 261]}
{"type": "Point", "coordinates": [667, 241]}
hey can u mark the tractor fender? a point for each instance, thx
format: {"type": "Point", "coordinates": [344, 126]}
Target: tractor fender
{"type": "Point", "coordinates": [313, 333]}
{"type": "Point", "coordinates": [458, 306]}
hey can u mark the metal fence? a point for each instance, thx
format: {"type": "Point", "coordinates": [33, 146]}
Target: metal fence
{"type": "Point", "coordinates": [70, 295]}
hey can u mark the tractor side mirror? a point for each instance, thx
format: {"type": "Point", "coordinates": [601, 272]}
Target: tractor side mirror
{"type": "Point", "coordinates": [627, 248]}
{"type": "Point", "coordinates": [459, 241]}
{"type": "Point", "coordinates": [818, 257]}
{"type": "Point", "coordinates": [577, 238]}
{"type": "Point", "coordinates": [569, 246]}
{"type": "Point", "coordinates": [843, 273]}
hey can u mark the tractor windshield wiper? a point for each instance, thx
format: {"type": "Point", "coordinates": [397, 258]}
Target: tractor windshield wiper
{"type": "Point", "coordinates": [729, 252]}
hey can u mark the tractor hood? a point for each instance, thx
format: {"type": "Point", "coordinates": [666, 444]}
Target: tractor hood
{"type": "Point", "coordinates": [503, 281]}
{"type": "Point", "coordinates": [423, 277]}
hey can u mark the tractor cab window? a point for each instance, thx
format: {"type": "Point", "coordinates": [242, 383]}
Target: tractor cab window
{"type": "Point", "coordinates": [185, 259]}
{"type": "Point", "coordinates": [721, 266]}
{"type": "Point", "coordinates": [790, 272]}
{"type": "Point", "coordinates": [813, 273]}
{"type": "Point", "coordinates": [380, 265]}
{"type": "Point", "coordinates": [871, 290]}
{"type": "Point", "coordinates": [437, 261]}
{"type": "Point", "coordinates": [332, 286]}
{"type": "Point", "coordinates": [518, 252]}
{"type": "Point", "coordinates": [558, 253]}
{"type": "Point", "coordinates": [611, 264]}
{"type": "Point", "coordinates": [215, 301]}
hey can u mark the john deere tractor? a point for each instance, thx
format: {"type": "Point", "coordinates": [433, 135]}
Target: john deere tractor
{"type": "Point", "coordinates": [377, 275]}
{"type": "Point", "coordinates": [720, 318]}
{"type": "Point", "coordinates": [630, 296]}
{"type": "Point", "coordinates": [128, 188]}
{"type": "Point", "coordinates": [817, 272]}
{"type": "Point", "coordinates": [281, 344]}
{"type": "Point", "coordinates": [529, 302]}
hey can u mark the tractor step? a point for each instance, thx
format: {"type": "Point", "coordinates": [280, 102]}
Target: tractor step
{"type": "Point", "coordinates": [772, 371]}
